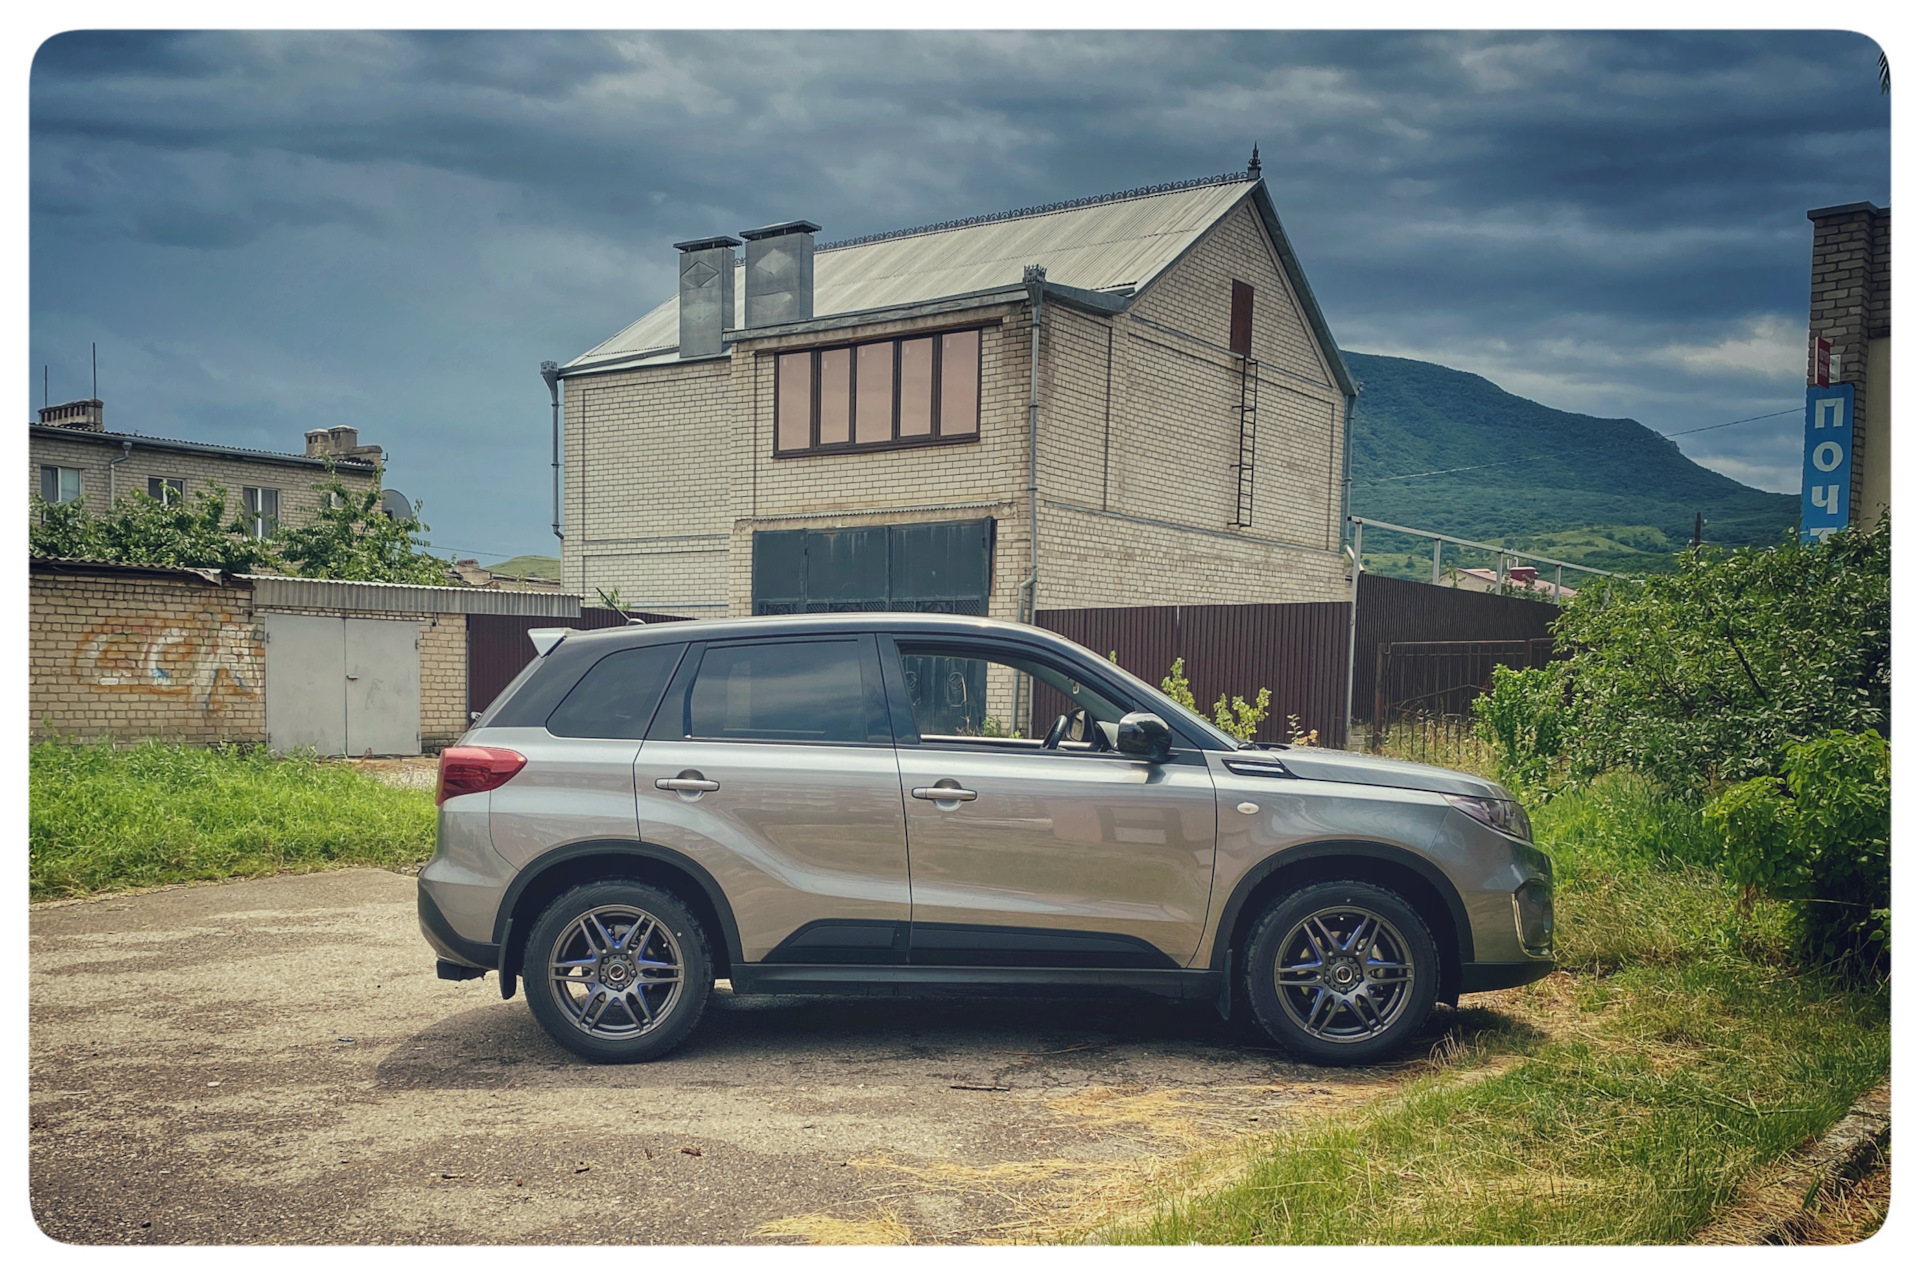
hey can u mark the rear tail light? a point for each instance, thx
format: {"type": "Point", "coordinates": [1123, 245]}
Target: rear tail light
{"type": "Point", "coordinates": [468, 768]}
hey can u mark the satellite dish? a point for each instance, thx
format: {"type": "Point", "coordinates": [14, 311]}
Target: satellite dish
{"type": "Point", "coordinates": [394, 505]}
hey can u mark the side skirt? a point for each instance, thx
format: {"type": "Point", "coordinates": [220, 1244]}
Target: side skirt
{"type": "Point", "coordinates": [760, 979]}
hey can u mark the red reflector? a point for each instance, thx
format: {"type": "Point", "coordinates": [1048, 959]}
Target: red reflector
{"type": "Point", "coordinates": [467, 768]}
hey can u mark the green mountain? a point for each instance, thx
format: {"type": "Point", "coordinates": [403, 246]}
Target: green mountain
{"type": "Point", "coordinates": [1607, 493]}
{"type": "Point", "coordinates": [535, 565]}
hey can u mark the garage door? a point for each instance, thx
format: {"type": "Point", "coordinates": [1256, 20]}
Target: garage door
{"type": "Point", "coordinates": [343, 686]}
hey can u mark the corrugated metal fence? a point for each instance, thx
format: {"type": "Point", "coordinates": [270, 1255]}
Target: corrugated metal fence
{"type": "Point", "coordinates": [498, 646]}
{"type": "Point", "coordinates": [1297, 650]}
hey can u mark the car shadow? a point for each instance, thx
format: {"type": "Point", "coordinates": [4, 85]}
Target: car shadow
{"type": "Point", "coordinates": [789, 1039]}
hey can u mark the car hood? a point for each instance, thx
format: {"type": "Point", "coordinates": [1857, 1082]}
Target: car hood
{"type": "Point", "coordinates": [1334, 766]}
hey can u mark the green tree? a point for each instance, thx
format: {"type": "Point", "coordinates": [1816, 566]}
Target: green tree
{"type": "Point", "coordinates": [1707, 676]}
{"type": "Point", "coordinates": [1238, 718]}
{"type": "Point", "coordinates": [353, 538]}
{"type": "Point", "coordinates": [193, 532]}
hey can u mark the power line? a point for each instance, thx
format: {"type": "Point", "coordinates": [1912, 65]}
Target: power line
{"type": "Point", "coordinates": [1515, 460]}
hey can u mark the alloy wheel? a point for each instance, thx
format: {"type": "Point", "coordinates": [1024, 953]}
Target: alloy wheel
{"type": "Point", "coordinates": [616, 971]}
{"type": "Point", "coordinates": [1344, 974]}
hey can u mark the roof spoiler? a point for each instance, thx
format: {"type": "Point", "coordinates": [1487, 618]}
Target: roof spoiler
{"type": "Point", "coordinates": [544, 640]}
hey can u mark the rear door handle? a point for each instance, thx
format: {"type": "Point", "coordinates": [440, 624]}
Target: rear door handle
{"type": "Point", "coordinates": [687, 785]}
{"type": "Point", "coordinates": [945, 794]}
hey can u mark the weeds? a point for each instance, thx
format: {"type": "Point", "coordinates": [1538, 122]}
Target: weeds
{"type": "Point", "coordinates": [102, 818]}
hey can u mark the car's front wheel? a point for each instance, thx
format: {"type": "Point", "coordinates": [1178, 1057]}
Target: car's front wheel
{"type": "Point", "coordinates": [1341, 972]}
{"type": "Point", "coordinates": [617, 971]}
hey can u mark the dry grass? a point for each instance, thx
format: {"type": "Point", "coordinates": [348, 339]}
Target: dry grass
{"type": "Point", "coordinates": [820, 1228]}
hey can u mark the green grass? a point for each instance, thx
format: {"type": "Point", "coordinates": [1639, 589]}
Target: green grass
{"type": "Point", "coordinates": [107, 819]}
{"type": "Point", "coordinates": [1619, 1102]}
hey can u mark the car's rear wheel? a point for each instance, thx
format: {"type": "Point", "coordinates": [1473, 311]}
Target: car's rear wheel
{"type": "Point", "coordinates": [617, 971]}
{"type": "Point", "coordinates": [1341, 972]}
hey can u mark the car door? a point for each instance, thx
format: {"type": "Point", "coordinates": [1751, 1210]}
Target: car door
{"type": "Point", "coordinates": [1068, 857]}
{"type": "Point", "coordinates": [770, 763]}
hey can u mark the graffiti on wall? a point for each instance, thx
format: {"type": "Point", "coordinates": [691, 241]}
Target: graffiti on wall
{"type": "Point", "coordinates": [210, 659]}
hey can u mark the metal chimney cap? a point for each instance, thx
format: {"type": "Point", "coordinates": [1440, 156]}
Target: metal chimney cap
{"type": "Point", "coordinates": [714, 241]}
{"type": "Point", "coordinates": [780, 228]}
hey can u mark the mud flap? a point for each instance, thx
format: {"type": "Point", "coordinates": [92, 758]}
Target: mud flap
{"type": "Point", "coordinates": [1224, 1004]}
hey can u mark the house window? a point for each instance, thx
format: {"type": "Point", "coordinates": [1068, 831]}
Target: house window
{"type": "Point", "coordinates": [58, 484]}
{"type": "Point", "coordinates": [922, 389]}
{"type": "Point", "coordinates": [167, 490]}
{"type": "Point", "coordinates": [263, 510]}
{"type": "Point", "coordinates": [1240, 327]}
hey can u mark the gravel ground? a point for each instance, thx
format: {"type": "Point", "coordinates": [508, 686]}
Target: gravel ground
{"type": "Point", "coordinates": [274, 1061]}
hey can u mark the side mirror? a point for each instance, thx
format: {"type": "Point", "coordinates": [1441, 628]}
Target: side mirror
{"type": "Point", "coordinates": [1144, 735]}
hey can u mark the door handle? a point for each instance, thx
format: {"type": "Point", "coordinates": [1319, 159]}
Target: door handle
{"type": "Point", "coordinates": [938, 793]}
{"type": "Point", "coordinates": [687, 785]}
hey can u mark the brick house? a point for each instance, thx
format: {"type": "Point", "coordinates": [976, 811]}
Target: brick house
{"type": "Point", "coordinates": [883, 422]}
{"type": "Point", "coordinates": [72, 456]}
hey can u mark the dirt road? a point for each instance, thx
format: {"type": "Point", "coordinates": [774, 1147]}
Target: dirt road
{"type": "Point", "coordinates": [274, 1062]}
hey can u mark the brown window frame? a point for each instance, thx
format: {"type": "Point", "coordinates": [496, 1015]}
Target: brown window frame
{"type": "Point", "coordinates": [1240, 320]}
{"type": "Point", "coordinates": [934, 438]}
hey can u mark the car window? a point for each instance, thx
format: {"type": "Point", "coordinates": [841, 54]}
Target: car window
{"type": "Point", "coordinates": [809, 692]}
{"type": "Point", "coordinates": [976, 694]}
{"type": "Point", "coordinates": [616, 699]}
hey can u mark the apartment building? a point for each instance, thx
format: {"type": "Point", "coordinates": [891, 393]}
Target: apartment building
{"type": "Point", "coordinates": [73, 456]}
{"type": "Point", "coordinates": [1128, 399]}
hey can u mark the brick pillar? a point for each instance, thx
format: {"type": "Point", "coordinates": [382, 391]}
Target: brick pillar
{"type": "Point", "coordinates": [1849, 306]}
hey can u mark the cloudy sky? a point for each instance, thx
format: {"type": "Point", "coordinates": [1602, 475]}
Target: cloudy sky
{"type": "Point", "coordinates": [276, 232]}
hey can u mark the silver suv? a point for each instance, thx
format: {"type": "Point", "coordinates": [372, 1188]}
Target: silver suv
{"type": "Point", "coordinates": [852, 804]}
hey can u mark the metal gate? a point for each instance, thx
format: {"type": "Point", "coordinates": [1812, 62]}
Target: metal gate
{"type": "Point", "coordinates": [925, 566]}
{"type": "Point", "coordinates": [343, 686]}
{"type": "Point", "coordinates": [1423, 692]}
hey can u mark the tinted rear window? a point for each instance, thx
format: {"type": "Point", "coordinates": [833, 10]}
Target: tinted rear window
{"type": "Point", "coordinates": [616, 699]}
{"type": "Point", "coordinates": [808, 692]}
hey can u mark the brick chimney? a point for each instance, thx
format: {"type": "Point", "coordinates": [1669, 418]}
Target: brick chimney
{"type": "Point", "coordinates": [341, 442]}
{"type": "Point", "coordinates": [86, 413]}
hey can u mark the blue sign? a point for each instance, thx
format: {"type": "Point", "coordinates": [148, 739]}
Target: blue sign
{"type": "Point", "coordinates": [1827, 472]}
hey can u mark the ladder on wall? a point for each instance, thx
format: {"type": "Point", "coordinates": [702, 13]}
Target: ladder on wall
{"type": "Point", "coordinates": [1249, 412]}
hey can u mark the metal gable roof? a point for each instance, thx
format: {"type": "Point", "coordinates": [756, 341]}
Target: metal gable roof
{"type": "Point", "coordinates": [1103, 244]}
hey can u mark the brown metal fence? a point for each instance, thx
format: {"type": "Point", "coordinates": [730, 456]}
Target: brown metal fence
{"type": "Point", "coordinates": [1297, 650]}
{"type": "Point", "coordinates": [498, 646]}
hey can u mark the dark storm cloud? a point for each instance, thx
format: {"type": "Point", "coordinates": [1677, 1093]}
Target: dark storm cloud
{"type": "Point", "coordinates": [268, 231]}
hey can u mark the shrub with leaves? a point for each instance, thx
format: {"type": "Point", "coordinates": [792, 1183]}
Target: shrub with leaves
{"type": "Point", "coordinates": [1817, 836]}
{"type": "Point", "coordinates": [190, 532]}
{"type": "Point", "coordinates": [353, 538]}
{"type": "Point", "coordinates": [1710, 674]}
{"type": "Point", "coordinates": [1238, 718]}
{"type": "Point", "coordinates": [1524, 720]}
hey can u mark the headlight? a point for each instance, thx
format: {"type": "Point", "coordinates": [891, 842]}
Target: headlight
{"type": "Point", "coordinates": [1501, 816]}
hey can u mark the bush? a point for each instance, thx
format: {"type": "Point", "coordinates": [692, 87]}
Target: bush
{"type": "Point", "coordinates": [1709, 675]}
{"type": "Point", "coordinates": [1238, 718]}
{"type": "Point", "coordinates": [1817, 837]}
{"type": "Point", "coordinates": [1524, 719]}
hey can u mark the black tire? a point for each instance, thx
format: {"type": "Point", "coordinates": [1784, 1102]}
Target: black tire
{"type": "Point", "coordinates": [1340, 973]}
{"type": "Point", "coordinates": [613, 1005]}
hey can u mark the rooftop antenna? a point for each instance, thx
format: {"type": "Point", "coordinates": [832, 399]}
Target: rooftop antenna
{"type": "Point", "coordinates": [1253, 165]}
{"type": "Point", "coordinates": [96, 369]}
{"type": "Point", "coordinates": [44, 400]}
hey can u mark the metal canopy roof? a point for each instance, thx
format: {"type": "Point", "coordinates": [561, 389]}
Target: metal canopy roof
{"type": "Point", "coordinates": [1112, 243]}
